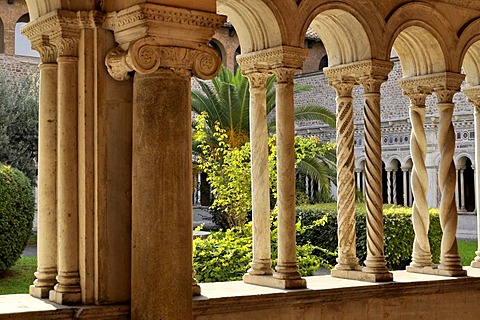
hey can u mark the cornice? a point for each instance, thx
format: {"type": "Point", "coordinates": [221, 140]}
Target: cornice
{"type": "Point", "coordinates": [432, 82]}
{"type": "Point", "coordinates": [277, 57]}
{"type": "Point", "coordinates": [373, 69]}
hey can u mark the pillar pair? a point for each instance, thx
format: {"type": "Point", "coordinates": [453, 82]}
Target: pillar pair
{"type": "Point", "coordinates": [417, 89]}
{"type": "Point", "coordinates": [286, 274]}
{"type": "Point", "coordinates": [370, 74]}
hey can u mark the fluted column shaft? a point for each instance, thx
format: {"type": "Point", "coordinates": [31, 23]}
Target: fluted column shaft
{"type": "Point", "coordinates": [375, 262]}
{"type": "Point", "coordinates": [47, 180]}
{"type": "Point", "coordinates": [347, 258]}
{"type": "Point", "coordinates": [261, 264]}
{"type": "Point", "coordinates": [421, 255]}
{"type": "Point", "coordinates": [68, 288]}
{"type": "Point", "coordinates": [449, 257]}
{"type": "Point", "coordinates": [287, 267]}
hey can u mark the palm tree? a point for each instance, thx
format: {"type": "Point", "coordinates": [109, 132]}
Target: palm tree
{"type": "Point", "coordinates": [226, 101]}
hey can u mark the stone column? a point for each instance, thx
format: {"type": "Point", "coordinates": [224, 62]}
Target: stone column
{"type": "Point", "coordinates": [449, 258]}
{"type": "Point", "coordinates": [261, 264]}
{"type": "Point", "coordinates": [358, 179]}
{"type": "Point", "coordinates": [389, 186]}
{"type": "Point", "coordinates": [405, 188]}
{"type": "Point", "coordinates": [287, 268]}
{"type": "Point", "coordinates": [473, 95]}
{"type": "Point", "coordinates": [67, 290]}
{"type": "Point", "coordinates": [162, 281]}
{"type": "Point", "coordinates": [347, 258]}
{"type": "Point", "coordinates": [375, 264]}
{"type": "Point", "coordinates": [462, 190]}
{"type": "Point", "coordinates": [394, 184]}
{"type": "Point", "coordinates": [421, 256]}
{"type": "Point", "coordinates": [457, 192]}
{"type": "Point", "coordinates": [47, 173]}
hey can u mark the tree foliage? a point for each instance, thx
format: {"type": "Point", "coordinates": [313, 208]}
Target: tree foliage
{"type": "Point", "coordinates": [229, 169]}
{"type": "Point", "coordinates": [19, 123]}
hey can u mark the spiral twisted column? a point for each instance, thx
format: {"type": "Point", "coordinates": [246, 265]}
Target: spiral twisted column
{"type": "Point", "coordinates": [394, 185]}
{"type": "Point", "coordinates": [261, 263]}
{"type": "Point", "coordinates": [421, 256]}
{"type": "Point", "coordinates": [449, 257]}
{"type": "Point", "coordinates": [347, 258]}
{"type": "Point", "coordinates": [473, 95]}
{"type": "Point", "coordinates": [375, 262]}
{"type": "Point", "coordinates": [389, 186]}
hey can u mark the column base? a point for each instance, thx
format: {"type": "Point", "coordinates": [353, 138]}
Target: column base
{"type": "Point", "coordinates": [362, 276]}
{"type": "Point", "coordinates": [270, 281]}
{"type": "Point", "coordinates": [196, 290]}
{"type": "Point", "coordinates": [475, 264]}
{"type": "Point", "coordinates": [436, 271]}
{"type": "Point", "coordinates": [65, 298]}
{"type": "Point", "coordinates": [39, 292]}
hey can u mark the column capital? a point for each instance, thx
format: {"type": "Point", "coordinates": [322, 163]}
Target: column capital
{"type": "Point", "coordinates": [48, 51]}
{"type": "Point", "coordinates": [256, 78]}
{"type": "Point", "coordinates": [473, 95]}
{"type": "Point", "coordinates": [152, 37]}
{"type": "Point", "coordinates": [284, 74]}
{"type": "Point", "coordinates": [343, 87]}
{"type": "Point", "coordinates": [147, 55]}
{"type": "Point", "coordinates": [268, 59]}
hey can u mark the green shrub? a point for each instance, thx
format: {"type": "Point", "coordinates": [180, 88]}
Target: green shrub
{"type": "Point", "coordinates": [398, 232]}
{"type": "Point", "coordinates": [16, 214]}
{"type": "Point", "coordinates": [226, 255]}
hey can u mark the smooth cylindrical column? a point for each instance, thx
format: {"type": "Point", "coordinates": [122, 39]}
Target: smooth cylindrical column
{"type": "Point", "coordinates": [475, 99]}
{"type": "Point", "coordinates": [47, 183]}
{"type": "Point", "coordinates": [68, 288]}
{"type": "Point", "coordinates": [449, 257]}
{"type": "Point", "coordinates": [347, 257]}
{"type": "Point", "coordinates": [161, 196]}
{"type": "Point", "coordinates": [287, 268]}
{"type": "Point", "coordinates": [421, 255]}
{"type": "Point", "coordinates": [457, 192]}
{"type": "Point", "coordinates": [375, 262]}
{"type": "Point", "coordinates": [358, 180]}
{"type": "Point", "coordinates": [261, 264]}
{"type": "Point", "coordinates": [405, 188]}
{"type": "Point", "coordinates": [462, 189]}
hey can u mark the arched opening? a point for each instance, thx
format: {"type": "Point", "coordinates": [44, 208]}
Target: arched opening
{"type": "Point", "coordinates": [465, 191]}
{"type": "Point", "coordinates": [22, 44]}
{"type": "Point", "coordinates": [216, 46]}
{"type": "Point", "coordinates": [323, 63]}
{"type": "Point", "coordinates": [235, 62]}
{"type": "Point", "coordinates": [384, 184]}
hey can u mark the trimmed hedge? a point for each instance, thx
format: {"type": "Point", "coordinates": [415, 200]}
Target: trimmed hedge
{"type": "Point", "coordinates": [17, 205]}
{"type": "Point", "coordinates": [320, 224]}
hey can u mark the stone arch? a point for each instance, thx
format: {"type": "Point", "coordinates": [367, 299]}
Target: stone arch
{"type": "Point", "coordinates": [22, 45]}
{"type": "Point", "coordinates": [343, 35]}
{"type": "Point", "coordinates": [219, 48]}
{"type": "Point", "coordinates": [469, 45]}
{"type": "Point", "coordinates": [255, 23]}
{"type": "Point", "coordinates": [37, 8]}
{"type": "Point", "coordinates": [465, 189]}
{"type": "Point", "coordinates": [422, 38]}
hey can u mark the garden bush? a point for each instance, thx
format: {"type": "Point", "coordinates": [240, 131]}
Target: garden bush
{"type": "Point", "coordinates": [320, 229]}
{"type": "Point", "coordinates": [226, 255]}
{"type": "Point", "coordinates": [16, 214]}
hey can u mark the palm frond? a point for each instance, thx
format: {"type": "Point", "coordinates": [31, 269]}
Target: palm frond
{"type": "Point", "coordinates": [315, 112]}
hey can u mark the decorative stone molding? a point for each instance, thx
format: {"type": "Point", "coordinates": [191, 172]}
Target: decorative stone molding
{"type": "Point", "coordinates": [473, 95]}
{"type": "Point", "coordinates": [281, 56]}
{"type": "Point", "coordinates": [178, 25]}
{"type": "Point", "coordinates": [361, 70]}
{"type": "Point", "coordinates": [432, 82]}
{"type": "Point", "coordinates": [48, 52]}
{"type": "Point", "coordinates": [147, 56]}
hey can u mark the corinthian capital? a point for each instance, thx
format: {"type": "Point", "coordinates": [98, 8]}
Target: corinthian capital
{"type": "Point", "coordinates": [147, 55]}
{"type": "Point", "coordinates": [48, 52]}
{"type": "Point", "coordinates": [473, 95]}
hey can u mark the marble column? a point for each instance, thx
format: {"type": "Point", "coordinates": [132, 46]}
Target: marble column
{"type": "Point", "coordinates": [389, 186]}
{"type": "Point", "coordinates": [462, 189]}
{"type": "Point", "coordinates": [47, 174]}
{"type": "Point", "coordinates": [347, 258]}
{"type": "Point", "coordinates": [67, 290]}
{"type": "Point", "coordinates": [261, 264]}
{"type": "Point", "coordinates": [358, 179]}
{"type": "Point", "coordinates": [421, 256]}
{"type": "Point", "coordinates": [394, 185]}
{"type": "Point", "coordinates": [405, 188]}
{"type": "Point", "coordinates": [449, 257]}
{"type": "Point", "coordinates": [287, 268]}
{"type": "Point", "coordinates": [473, 95]}
{"type": "Point", "coordinates": [457, 192]}
{"type": "Point", "coordinates": [375, 264]}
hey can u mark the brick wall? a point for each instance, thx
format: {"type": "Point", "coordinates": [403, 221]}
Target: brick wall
{"type": "Point", "coordinates": [17, 66]}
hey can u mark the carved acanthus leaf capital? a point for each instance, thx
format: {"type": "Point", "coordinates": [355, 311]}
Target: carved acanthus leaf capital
{"type": "Point", "coordinates": [257, 79]}
{"type": "Point", "coordinates": [146, 56]}
{"type": "Point", "coordinates": [271, 58]}
{"type": "Point", "coordinates": [48, 52]}
{"type": "Point", "coordinates": [343, 87]}
{"type": "Point", "coordinates": [284, 75]}
{"type": "Point", "coordinates": [473, 95]}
